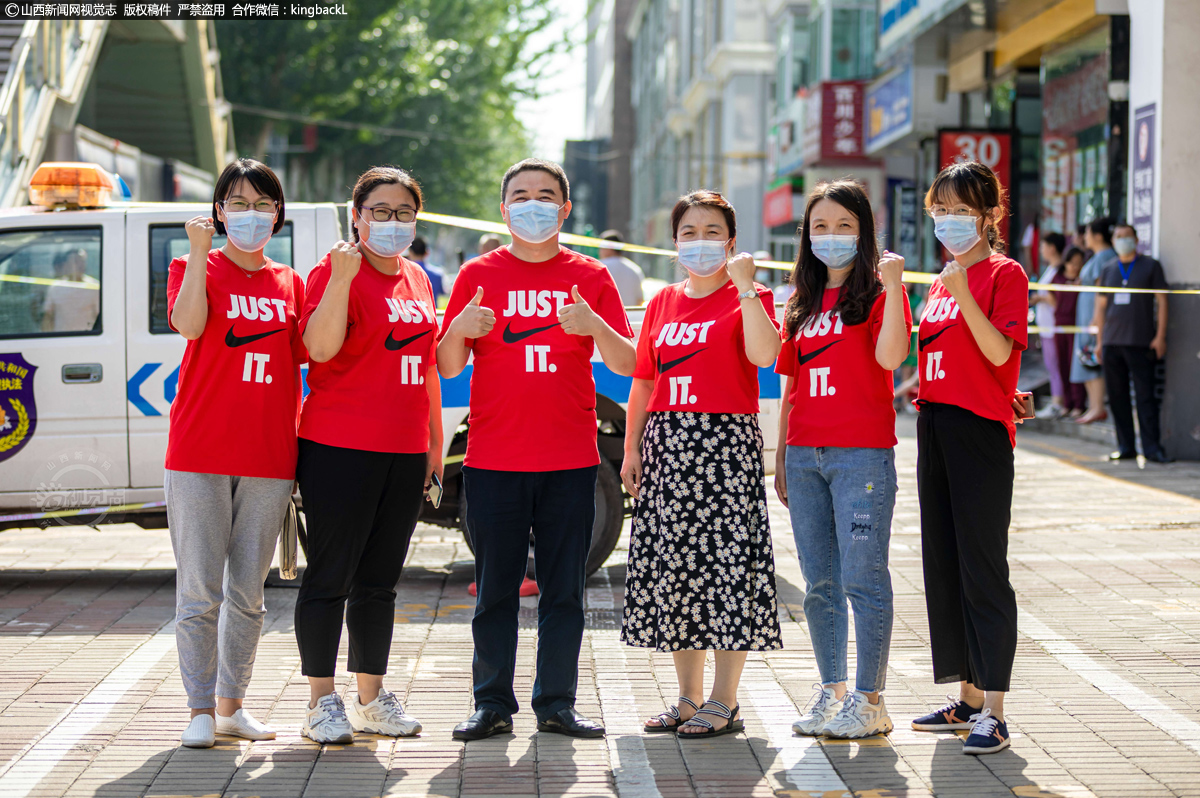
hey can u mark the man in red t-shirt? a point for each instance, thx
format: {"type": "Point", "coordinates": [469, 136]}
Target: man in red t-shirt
{"type": "Point", "coordinates": [532, 314]}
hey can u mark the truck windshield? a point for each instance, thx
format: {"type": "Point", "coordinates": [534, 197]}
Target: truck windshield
{"type": "Point", "coordinates": [169, 241]}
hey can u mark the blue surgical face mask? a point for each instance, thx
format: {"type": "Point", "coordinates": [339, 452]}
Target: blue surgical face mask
{"type": "Point", "coordinates": [702, 257]}
{"type": "Point", "coordinates": [534, 221]}
{"type": "Point", "coordinates": [389, 239]}
{"type": "Point", "coordinates": [836, 252]}
{"type": "Point", "coordinates": [957, 233]}
{"type": "Point", "coordinates": [1125, 245]}
{"type": "Point", "coordinates": [249, 231]}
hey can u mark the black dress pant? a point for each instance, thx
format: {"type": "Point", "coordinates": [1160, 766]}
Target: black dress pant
{"type": "Point", "coordinates": [502, 507]}
{"type": "Point", "coordinates": [1121, 364]}
{"type": "Point", "coordinates": [360, 509]}
{"type": "Point", "coordinates": [965, 486]}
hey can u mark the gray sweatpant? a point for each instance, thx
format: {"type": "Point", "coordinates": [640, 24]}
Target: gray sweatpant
{"type": "Point", "coordinates": [223, 531]}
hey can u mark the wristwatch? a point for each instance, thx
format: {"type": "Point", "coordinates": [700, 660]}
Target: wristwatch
{"type": "Point", "coordinates": [749, 293]}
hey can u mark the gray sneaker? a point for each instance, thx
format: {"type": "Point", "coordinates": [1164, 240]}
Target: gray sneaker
{"type": "Point", "coordinates": [824, 707]}
{"type": "Point", "coordinates": [327, 722]}
{"type": "Point", "coordinates": [859, 718]}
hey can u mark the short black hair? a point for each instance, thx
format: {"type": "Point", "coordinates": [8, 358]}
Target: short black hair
{"type": "Point", "coordinates": [536, 165]}
{"type": "Point", "coordinates": [1056, 240]}
{"type": "Point", "coordinates": [1072, 251]}
{"type": "Point", "coordinates": [257, 174]}
{"type": "Point", "coordinates": [418, 246]}
{"type": "Point", "coordinates": [613, 235]}
{"type": "Point", "coordinates": [1123, 225]}
{"type": "Point", "coordinates": [1102, 227]}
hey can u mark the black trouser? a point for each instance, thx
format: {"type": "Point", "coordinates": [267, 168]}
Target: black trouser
{"type": "Point", "coordinates": [1121, 363]}
{"type": "Point", "coordinates": [502, 508]}
{"type": "Point", "coordinates": [360, 509]}
{"type": "Point", "coordinates": [965, 486]}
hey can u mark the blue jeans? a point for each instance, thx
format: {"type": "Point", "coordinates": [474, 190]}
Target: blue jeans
{"type": "Point", "coordinates": [841, 502]}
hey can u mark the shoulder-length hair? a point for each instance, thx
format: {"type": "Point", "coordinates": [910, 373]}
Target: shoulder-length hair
{"type": "Point", "coordinates": [258, 175]}
{"type": "Point", "coordinates": [378, 176]}
{"type": "Point", "coordinates": [810, 275]}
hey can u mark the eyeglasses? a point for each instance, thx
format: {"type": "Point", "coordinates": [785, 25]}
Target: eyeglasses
{"type": "Point", "coordinates": [238, 206]}
{"type": "Point", "coordinates": [941, 210]}
{"type": "Point", "coordinates": [381, 213]}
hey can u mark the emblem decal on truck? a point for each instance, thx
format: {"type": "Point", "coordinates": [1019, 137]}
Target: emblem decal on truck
{"type": "Point", "coordinates": [18, 410]}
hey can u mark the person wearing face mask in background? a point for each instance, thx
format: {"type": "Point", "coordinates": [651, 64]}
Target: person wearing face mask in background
{"type": "Point", "coordinates": [972, 333]}
{"type": "Point", "coordinates": [231, 451]}
{"type": "Point", "coordinates": [699, 577]}
{"type": "Point", "coordinates": [1132, 335]}
{"type": "Point", "coordinates": [370, 443]}
{"type": "Point", "coordinates": [846, 330]}
{"type": "Point", "coordinates": [532, 314]}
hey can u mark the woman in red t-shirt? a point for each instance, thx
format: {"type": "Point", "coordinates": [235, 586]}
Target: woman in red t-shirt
{"type": "Point", "coordinates": [370, 443]}
{"type": "Point", "coordinates": [969, 346]}
{"type": "Point", "coordinates": [231, 451]}
{"type": "Point", "coordinates": [701, 573]}
{"type": "Point", "coordinates": [846, 330]}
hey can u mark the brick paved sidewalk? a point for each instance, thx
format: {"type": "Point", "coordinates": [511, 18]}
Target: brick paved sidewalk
{"type": "Point", "coordinates": [1104, 700]}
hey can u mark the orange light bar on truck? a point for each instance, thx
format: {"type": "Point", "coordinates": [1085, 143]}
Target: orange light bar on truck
{"type": "Point", "coordinates": [72, 185]}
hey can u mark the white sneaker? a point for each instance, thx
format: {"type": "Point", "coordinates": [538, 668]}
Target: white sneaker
{"type": "Point", "coordinates": [859, 718]}
{"type": "Point", "coordinates": [199, 733]}
{"type": "Point", "coordinates": [327, 722]}
{"type": "Point", "coordinates": [242, 724]}
{"type": "Point", "coordinates": [825, 706]}
{"type": "Point", "coordinates": [384, 715]}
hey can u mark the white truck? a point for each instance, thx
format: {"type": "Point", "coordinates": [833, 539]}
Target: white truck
{"type": "Point", "coordinates": [89, 367]}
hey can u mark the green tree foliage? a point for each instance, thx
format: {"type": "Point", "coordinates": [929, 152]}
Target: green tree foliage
{"type": "Point", "coordinates": [450, 71]}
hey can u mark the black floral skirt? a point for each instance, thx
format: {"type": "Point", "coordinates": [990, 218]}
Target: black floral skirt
{"type": "Point", "coordinates": [701, 570]}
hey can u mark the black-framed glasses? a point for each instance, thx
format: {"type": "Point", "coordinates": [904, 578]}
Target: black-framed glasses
{"type": "Point", "coordinates": [239, 206]}
{"type": "Point", "coordinates": [382, 213]}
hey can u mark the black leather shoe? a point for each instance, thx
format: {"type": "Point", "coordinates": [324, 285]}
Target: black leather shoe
{"type": "Point", "coordinates": [483, 724]}
{"type": "Point", "coordinates": [571, 723]}
{"type": "Point", "coordinates": [1123, 456]}
{"type": "Point", "coordinates": [1159, 457]}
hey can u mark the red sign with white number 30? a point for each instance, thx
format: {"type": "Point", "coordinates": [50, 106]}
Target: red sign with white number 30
{"type": "Point", "coordinates": [990, 147]}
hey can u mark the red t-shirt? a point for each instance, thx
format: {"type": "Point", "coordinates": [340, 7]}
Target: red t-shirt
{"type": "Point", "coordinates": [840, 396]}
{"type": "Point", "coordinates": [533, 399]}
{"type": "Point", "coordinates": [695, 351]}
{"type": "Point", "coordinates": [372, 395]}
{"type": "Point", "coordinates": [953, 369]}
{"type": "Point", "coordinates": [238, 400]}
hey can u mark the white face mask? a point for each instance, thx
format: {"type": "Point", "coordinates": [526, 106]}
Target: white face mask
{"type": "Point", "coordinates": [249, 231]}
{"type": "Point", "coordinates": [702, 257]}
{"type": "Point", "coordinates": [389, 239]}
{"type": "Point", "coordinates": [534, 221]}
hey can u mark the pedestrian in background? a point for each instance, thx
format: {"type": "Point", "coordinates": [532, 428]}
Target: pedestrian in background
{"type": "Point", "coordinates": [1074, 396]}
{"type": "Point", "coordinates": [231, 449]}
{"type": "Point", "coordinates": [370, 444]}
{"type": "Point", "coordinates": [973, 331]}
{"type": "Point", "coordinates": [845, 332]}
{"type": "Point", "coordinates": [1043, 302]}
{"type": "Point", "coordinates": [1085, 365]}
{"type": "Point", "coordinates": [532, 457]}
{"type": "Point", "coordinates": [1132, 335]}
{"type": "Point", "coordinates": [625, 273]}
{"type": "Point", "coordinates": [418, 253]}
{"type": "Point", "coordinates": [701, 573]}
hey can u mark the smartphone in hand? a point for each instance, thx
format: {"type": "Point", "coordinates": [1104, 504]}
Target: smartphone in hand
{"type": "Point", "coordinates": [434, 494]}
{"type": "Point", "coordinates": [1027, 408]}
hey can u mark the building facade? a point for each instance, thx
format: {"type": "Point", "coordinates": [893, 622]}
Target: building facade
{"type": "Point", "coordinates": [701, 84]}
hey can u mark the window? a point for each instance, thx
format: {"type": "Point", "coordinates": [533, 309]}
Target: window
{"type": "Point", "coordinates": [853, 45]}
{"type": "Point", "coordinates": [170, 241]}
{"type": "Point", "coordinates": [50, 282]}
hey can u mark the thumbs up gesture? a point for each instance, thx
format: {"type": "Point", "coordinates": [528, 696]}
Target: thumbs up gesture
{"type": "Point", "coordinates": [578, 318]}
{"type": "Point", "coordinates": [474, 320]}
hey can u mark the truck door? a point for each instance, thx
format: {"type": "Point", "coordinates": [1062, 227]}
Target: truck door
{"type": "Point", "coordinates": [62, 360]}
{"type": "Point", "coordinates": [156, 236]}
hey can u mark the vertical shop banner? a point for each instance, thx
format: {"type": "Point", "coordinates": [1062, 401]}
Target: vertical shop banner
{"type": "Point", "coordinates": [834, 125]}
{"type": "Point", "coordinates": [991, 148]}
{"type": "Point", "coordinates": [1142, 193]}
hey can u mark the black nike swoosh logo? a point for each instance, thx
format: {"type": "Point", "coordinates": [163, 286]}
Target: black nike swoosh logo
{"type": "Point", "coordinates": [670, 364]}
{"type": "Point", "coordinates": [511, 337]}
{"type": "Point", "coordinates": [921, 342]}
{"type": "Point", "coordinates": [391, 344]}
{"type": "Point", "coordinates": [801, 358]}
{"type": "Point", "coordinates": [242, 340]}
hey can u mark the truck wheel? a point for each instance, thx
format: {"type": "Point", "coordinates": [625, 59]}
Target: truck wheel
{"type": "Point", "coordinates": [606, 531]}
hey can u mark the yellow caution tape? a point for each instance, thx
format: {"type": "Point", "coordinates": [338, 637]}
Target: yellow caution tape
{"type": "Point", "coordinates": [17, 278]}
{"type": "Point", "coordinates": [924, 278]}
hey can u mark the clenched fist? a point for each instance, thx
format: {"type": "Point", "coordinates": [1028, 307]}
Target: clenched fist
{"type": "Point", "coordinates": [344, 260]}
{"type": "Point", "coordinates": [741, 270]}
{"type": "Point", "coordinates": [200, 231]}
{"type": "Point", "coordinates": [954, 277]}
{"type": "Point", "coordinates": [891, 269]}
